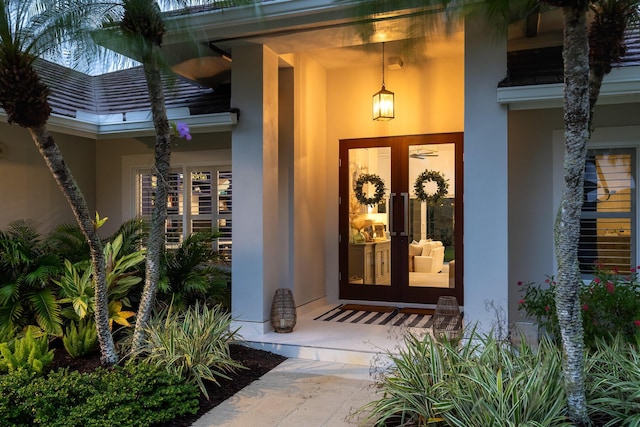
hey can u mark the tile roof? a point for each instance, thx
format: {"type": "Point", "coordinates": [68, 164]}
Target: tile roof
{"type": "Point", "coordinates": [124, 91]}
{"type": "Point", "coordinates": [544, 65]}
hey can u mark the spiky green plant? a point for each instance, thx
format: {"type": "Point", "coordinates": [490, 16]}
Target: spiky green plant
{"type": "Point", "coordinates": [26, 352]}
{"type": "Point", "coordinates": [613, 382]}
{"type": "Point", "coordinates": [80, 338]}
{"type": "Point", "coordinates": [503, 386]}
{"type": "Point", "coordinates": [479, 382]}
{"type": "Point", "coordinates": [193, 344]}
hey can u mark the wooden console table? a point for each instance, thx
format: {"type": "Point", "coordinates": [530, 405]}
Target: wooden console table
{"type": "Point", "coordinates": [371, 261]}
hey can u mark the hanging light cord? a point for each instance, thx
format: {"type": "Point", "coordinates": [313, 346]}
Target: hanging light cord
{"type": "Point", "coordinates": [382, 65]}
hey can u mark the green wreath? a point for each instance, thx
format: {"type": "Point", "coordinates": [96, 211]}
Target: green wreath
{"type": "Point", "coordinates": [423, 178]}
{"type": "Point", "coordinates": [373, 179]}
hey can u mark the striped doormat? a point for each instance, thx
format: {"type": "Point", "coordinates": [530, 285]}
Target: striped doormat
{"type": "Point", "coordinates": [379, 315]}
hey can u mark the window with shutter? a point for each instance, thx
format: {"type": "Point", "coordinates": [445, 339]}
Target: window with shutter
{"type": "Point", "coordinates": [608, 220]}
{"type": "Point", "coordinates": [198, 200]}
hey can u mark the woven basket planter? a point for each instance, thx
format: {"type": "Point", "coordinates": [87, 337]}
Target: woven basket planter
{"type": "Point", "coordinates": [283, 311]}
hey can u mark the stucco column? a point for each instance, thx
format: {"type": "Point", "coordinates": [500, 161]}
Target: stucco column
{"type": "Point", "coordinates": [486, 180]}
{"type": "Point", "coordinates": [256, 255]}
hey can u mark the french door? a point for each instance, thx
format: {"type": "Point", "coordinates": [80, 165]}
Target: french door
{"type": "Point", "coordinates": [401, 218]}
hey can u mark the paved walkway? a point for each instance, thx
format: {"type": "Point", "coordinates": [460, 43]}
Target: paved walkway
{"type": "Point", "coordinates": [296, 393]}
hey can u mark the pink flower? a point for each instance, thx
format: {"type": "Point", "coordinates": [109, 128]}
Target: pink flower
{"type": "Point", "coordinates": [636, 322]}
{"type": "Point", "coordinates": [546, 308]}
{"type": "Point", "coordinates": [596, 280]}
{"type": "Point", "coordinates": [633, 269]}
{"type": "Point", "coordinates": [553, 283]}
{"type": "Point", "coordinates": [585, 307]}
{"type": "Point", "coordinates": [615, 270]}
{"type": "Point", "coordinates": [521, 301]}
{"type": "Point", "coordinates": [547, 281]}
{"type": "Point", "coordinates": [611, 288]}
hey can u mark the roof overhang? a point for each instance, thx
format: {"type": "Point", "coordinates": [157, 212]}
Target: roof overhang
{"type": "Point", "coordinates": [621, 86]}
{"type": "Point", "coordinates": [137, 123]}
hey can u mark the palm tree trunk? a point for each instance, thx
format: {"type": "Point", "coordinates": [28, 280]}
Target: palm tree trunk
{"type": "Point", "coordinates": [156, 240]}
{"type": "Point", "coordinates": [567, 232]}
{"type": "Point", "coordinates": [52, 156]}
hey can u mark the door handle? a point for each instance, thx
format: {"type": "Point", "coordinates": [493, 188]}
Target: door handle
{"type": "Point", "coordinates": [391, 230]}
{"type": "Point", "coordinates": [405, 225]}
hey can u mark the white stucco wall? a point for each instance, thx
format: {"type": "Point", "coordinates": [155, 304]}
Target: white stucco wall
{"type": "Point", "coordinates": [535, 182]}
{"type": "Point", "coordinates": [486, 224]}
{"type": "Point", "coordinates": [256, 255]}
{"type": "Point", "coordinates": [309, 180]}
{"type": "Point", "coordinates": [28, 189]}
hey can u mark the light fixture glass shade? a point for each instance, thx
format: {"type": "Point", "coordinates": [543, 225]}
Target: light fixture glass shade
{"type": "Point", "coordinates": [383, 105]}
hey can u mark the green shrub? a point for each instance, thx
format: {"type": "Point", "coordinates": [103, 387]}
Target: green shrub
{"type": "Point", "coordinates": [610, 306]}
{"type": "Point", "coordinates": [137, 395]}
{"type": "Point", "coordinates": [482, 382]}
{"type": "Point", "coordinates": [28, 353]}
{"type": "Point", "coordinates": [80, 338]}
{"type": "Point", "coordinates": [613, 382]}
{"type": "Point", "coordinates": [193, 344]}
{"type": "Point", "coordinates": [12, 385]}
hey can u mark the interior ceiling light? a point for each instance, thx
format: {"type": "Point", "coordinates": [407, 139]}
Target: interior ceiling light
{"type": "Point", "coordinates": [383, 100]}
{"type": "Point", "coordinates": [422, 152]}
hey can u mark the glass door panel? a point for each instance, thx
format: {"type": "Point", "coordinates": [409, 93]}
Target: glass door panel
{"type": "Point", "coordinates": [431, 183]}
{"type": "Point", "coordinates": [369, 254]}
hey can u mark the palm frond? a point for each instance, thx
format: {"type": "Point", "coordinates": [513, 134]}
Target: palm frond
{"type": "Point", "coordinates": [134, 233]}
{"type": "Point", "coordinates": [68, 242]}
{"type": "Point", "coordinates": [47, 310]}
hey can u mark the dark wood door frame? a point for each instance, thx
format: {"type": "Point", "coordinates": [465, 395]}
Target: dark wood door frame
{"type": "Point", "coordinates": [399, 291]}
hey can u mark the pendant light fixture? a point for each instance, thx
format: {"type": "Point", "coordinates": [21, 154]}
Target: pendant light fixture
{"type": "Point", "coordinates": [383, 108]}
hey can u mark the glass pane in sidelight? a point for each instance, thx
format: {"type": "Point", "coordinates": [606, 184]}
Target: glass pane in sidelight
{"type": "Point", "coordinates": [369, 245]}
{"type": "Point", "coordinates": [431, 215]}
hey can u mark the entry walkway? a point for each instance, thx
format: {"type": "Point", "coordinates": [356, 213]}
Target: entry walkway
{"type": "Point", "coordinates": [327, 377]}
{"type": "Point", "coordinates": [297, 393]}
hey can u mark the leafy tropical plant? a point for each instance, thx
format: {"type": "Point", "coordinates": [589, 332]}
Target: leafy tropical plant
{"type": "Point", "coordinates": [28, 30]}
{"type": "Point", "coordinates": [193, 344]}
{"type": "Point", "coordinates": [80, 338]}
{"type": "Point", "coordinates": [27, 352]}
{"type": "Point", "coordinates": [121, 275]}
{"type": "Point", "coordinates": [26, 268]}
